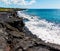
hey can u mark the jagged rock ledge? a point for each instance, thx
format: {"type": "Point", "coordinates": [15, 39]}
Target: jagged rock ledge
{"type": "Point", "coordinates": [14, 36]}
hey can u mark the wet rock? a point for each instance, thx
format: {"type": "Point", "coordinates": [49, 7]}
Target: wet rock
{"type": "Point", "coordinates": [17, 37]}
{"type": "Point", "coordinates": [37, 49]}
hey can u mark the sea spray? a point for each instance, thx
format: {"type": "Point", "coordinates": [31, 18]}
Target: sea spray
{"type": "Point", "coordinates": [47, 31]}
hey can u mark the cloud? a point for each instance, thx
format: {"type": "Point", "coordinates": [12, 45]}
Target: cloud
{"type": "Point", "coordinates": [29, 3]}
{"type": "Point", "coordinates": [5, 1]}
{"type": "Point", "coordinates": [18, 2]}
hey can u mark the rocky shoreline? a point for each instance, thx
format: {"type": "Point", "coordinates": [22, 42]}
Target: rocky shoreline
{"type": "Point", "coordinates": [14, 36]}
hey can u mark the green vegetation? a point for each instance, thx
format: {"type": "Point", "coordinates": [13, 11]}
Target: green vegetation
{"type": "Point", "coordinates": [10, 9]}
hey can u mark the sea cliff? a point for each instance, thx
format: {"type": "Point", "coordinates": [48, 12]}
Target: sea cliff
{"type": "Point", "coordinates": [14, 36]}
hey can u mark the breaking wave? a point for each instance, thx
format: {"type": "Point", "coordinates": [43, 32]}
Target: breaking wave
{"type": "Point", "coordinates": [47, 31]}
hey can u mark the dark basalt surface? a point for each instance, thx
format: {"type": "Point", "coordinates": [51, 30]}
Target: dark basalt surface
{"type": "Point", "coordinates": [14, 36]}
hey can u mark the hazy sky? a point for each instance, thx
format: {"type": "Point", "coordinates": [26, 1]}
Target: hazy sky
{"type": "Point", "coordinates": [51, 4]}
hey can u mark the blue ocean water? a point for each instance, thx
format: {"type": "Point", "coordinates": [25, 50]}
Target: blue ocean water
{"type": "Point", "coordinates": [44, 23]}
{"type": "Point", "coordinates": [51, 15]}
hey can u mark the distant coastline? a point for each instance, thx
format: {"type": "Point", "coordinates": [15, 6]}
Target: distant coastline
{"type": "Point", "coordinates": [11, 9]}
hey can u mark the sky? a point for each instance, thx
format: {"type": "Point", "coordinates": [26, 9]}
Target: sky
{"type": "Point", "coordinates": [33, 4]}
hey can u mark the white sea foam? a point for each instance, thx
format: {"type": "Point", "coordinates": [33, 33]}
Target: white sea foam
{"type": "Point", "coordinates": [47, 31]}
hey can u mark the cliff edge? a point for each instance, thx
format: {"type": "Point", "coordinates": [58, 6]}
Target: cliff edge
{"type": "Point", "coordinates": [14, 36]}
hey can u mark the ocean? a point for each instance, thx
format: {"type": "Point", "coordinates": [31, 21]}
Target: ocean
{"type": "Point", "coordinates": [51, 15]}
{"type": "Point", "coordinates": [44, 23]}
